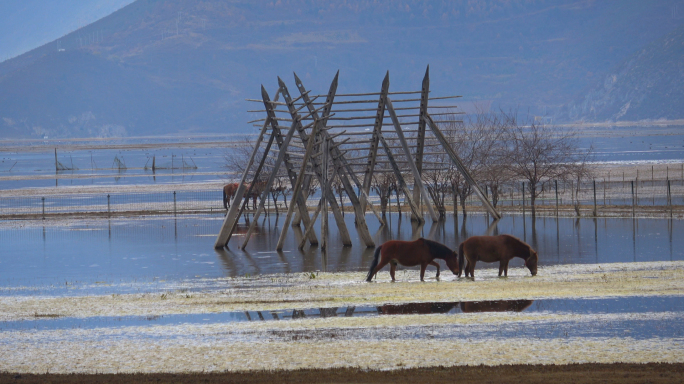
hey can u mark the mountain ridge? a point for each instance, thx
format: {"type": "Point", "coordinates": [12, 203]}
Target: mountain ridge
{"type": "Point", "coordinates": [162, 67]}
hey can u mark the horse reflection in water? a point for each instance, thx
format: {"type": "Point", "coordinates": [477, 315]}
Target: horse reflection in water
{"type": "Point", "coordinates": [495, 306]}
{"type": "Point", "coordinates": [466, 307]}
{"type": "Point", "coordinates": [421, 252]}
{"type": "Point", "coordinates": [415, 308]}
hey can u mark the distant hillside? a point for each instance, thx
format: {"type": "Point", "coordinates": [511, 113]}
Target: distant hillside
{"type": "Point", "coordinates": [649, 85]}
{"type": "Point", "coordinates": [186, 66]}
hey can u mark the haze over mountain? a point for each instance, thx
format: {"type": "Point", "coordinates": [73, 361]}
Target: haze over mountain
{"type": "Point", "coordinates": [181, 66]}
{"type": "Point", "coordinates": [27, 24]}
{"type": "Point", "coordinates": [647, 85]}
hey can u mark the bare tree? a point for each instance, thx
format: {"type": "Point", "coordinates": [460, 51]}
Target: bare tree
{"type": "Point", "coordinates": [538, 153]}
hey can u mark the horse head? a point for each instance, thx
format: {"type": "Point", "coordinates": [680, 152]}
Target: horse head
{"type": "Point", "coordinates": [531, 262]}
{"type": "Point", "coordinates": [452, 263]}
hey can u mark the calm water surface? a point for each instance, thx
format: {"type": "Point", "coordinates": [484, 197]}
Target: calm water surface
{"type": "Point", "coordinates": [50, 253]}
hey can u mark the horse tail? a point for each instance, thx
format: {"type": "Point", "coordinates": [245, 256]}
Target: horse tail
{"type": "Point", "coordinates": [461, 259]}
{"type": "Point", "coordinates": [376, 260]}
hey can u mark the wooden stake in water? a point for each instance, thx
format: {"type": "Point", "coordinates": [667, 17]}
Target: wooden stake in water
{"type": "Point", "coordinates": [595, 210]}
{"type": "Point", "coordinates": [633, 201]}
{"type": "Point", "coordinates": [556, 184]}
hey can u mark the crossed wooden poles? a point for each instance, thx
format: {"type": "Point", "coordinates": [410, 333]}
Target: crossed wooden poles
{"type": "Point", "coordinates": [322, 151]}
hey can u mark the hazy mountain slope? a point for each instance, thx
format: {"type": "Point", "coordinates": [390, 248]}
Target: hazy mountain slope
{"type": "Point", "coordinates": [186, 66]}
{"type": "Point", "coordinates": [648, 85]}
{"type": "Point", "coordinates": [26, 24]}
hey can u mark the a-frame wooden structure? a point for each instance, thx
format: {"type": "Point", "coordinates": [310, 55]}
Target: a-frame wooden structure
{"type": "Point", "coordinates": [315, 148]}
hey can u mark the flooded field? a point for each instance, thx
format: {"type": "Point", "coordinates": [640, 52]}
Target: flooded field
{"type": "Point", "coordinates": [93, 253]}
{"type": "Point", "coordinates": [150, 294]}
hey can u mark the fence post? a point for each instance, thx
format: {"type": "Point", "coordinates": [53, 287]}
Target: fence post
{"type": "Point", "coordinates": [523, 197]}
{"type": "Point", "coordinates": [43, 198]}
{"type": "Point", "coordinates": [174, 203]}
{"type": "Point", "coordinates": [109, 207]}
{"type": "Point", "coordinates": [556, 183]}
{"type": "Point", "coordinates": [595, 210]}
{"type": "Point", "coordinates": [669, 197]}
{"type": "Point", "coordinates": [632, 182]}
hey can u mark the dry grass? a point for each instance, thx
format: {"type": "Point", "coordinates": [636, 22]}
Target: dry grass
{"type": "Point", "coordinates": [558, 374]}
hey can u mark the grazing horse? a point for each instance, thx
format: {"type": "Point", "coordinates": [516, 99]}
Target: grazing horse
{"type": "Point", "coordinates": [495, 306]}
{"type": "Point", "coordinates": [411, 253]}
{"type": "Point", "coordinates": [500, 248]}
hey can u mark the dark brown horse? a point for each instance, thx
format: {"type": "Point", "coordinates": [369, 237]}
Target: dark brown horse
{"type": "Point", "coordinates": [500, 248]}
{"type": "Point", "coordinates": [411, 253]}
{"type": "Point", "coordinates": [495, 306]}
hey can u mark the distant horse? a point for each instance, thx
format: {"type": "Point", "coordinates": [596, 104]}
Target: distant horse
{"type": "Point", "coordinates": [415, 308]}
{"type": "Point", "coordinates": [500, 248]}
{"type": "Point", "coordinates": [495, 306]}
{"type": "Point", "coordinates": [411, 253]}
{"type": "Point", "coordinates": [229, 191]}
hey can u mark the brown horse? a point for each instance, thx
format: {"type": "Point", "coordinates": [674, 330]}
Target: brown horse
{"type": "Point", "coordinates": [500, 248]}
{"type": "Point", "coordinates": [229, 191]}
{"type": "Point", "coordinates": [411, 253]}
{"type": "Point", "coordinates": [495, 306]}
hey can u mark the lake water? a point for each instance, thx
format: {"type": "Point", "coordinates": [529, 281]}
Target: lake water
{"type": "Point", "coordinates": [49, 255]}
{"type": "Point", "coordinates": [94, 165]}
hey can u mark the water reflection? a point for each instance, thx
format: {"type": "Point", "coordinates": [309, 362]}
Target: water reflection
{"type": "Point", "coordinates": [625, 305]}
{"type": "Point", "coordinates": [495, 306]}
{"type": "Point", "coordinates": [51, 251]}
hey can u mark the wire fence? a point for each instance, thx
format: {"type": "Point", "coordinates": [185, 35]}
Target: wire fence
{"type": "Point", "coordinates": [114, 203]}
{"type": "Point", "coordinates": [632, 194]}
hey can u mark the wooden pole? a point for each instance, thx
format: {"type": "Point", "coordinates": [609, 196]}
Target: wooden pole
{"type": "Point", "coordinates": [633, 201]}
{"type": "Point", "coordinates": [291, 173]}
{"type": "Point", "coordinates": [297, 188]}
{"type": "Point", "coordinates": [341, 164]}
{"type": "Point", "coordinates": [324, 194]}
{"type": "Point", "coordinates": [556, 184]}
{"type": "Point", "coordinates": [269, 183]}
{"type": "Point", "coordinates": [315, 163]}
{"type": "Point", "coordinates": [233, 216]}
{"type": "Point", "coordinates": [461, 168]}
{"type": "Point", "coordinates": [420, 139]}
{"type": "Point", "coordinates": [375, 141]}
{"type": "Point", "coordinates": [409, 159]}
{"type": "Point", "coordinates": [400, 178]}
{"type": "Point", "coordinates": [595, 209]}
{"type": "Point", "coordinates": [315, 215]}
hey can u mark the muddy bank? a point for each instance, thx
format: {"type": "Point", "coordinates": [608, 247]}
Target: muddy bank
{"type": "Point", "coordinates": [559, 374]}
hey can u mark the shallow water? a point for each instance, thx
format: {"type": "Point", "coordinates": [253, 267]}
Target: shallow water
{"type": "Point", "coordinates": [102, 251]}
{"type": "Point", "coordinates": [92, 254]}
{"type": "Point", "coordinates": [628, 145]}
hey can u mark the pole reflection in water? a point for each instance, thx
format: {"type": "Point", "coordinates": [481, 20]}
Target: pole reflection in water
{"type": "Point", "coordinates": [140, 247]}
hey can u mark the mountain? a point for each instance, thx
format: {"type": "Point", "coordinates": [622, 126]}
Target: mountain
{"type": "Point", "coordinates": [649, 85]}
{"type": "Point", "coordinates": [187, 66]}
{"type": "Point", "coordinates": [26, 24]}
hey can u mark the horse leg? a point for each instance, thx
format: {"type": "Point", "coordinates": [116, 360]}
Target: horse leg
{"type": "Point", "coordinates": [471, 267]}
{"type": "Point", "coordinates": [436, 264]}
{"type": "Point", "coordinates": [501, 267]}
{"type": "Point", "coordinates": [393, 268]}
{"type": "Point", "coordinates": [505, 268]}
{"type": "Point", "coordinates": [422, 271]}
{"type": "Point", "coordinates": [380, 265]}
